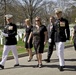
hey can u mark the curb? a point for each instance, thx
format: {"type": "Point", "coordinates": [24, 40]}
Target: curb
{"type": "Point", "coordinates": [26, 54]}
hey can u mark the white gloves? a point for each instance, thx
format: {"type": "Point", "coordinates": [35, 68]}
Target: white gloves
{"type": "Point", "coordinates": [4, 34]}
{"type": "Point", "coordinates": [49, 40]}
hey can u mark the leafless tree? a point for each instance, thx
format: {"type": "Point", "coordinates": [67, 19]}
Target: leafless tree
{"type": "Point", "coordinates": [32, 8]}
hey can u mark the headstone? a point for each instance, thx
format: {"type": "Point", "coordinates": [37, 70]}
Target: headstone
{"type": "Point", "coordinates": [20, 35]}
{"type": "Point", "coordinates": [1, 41]}
{"type": "Point", "coordinates": [17, 37]}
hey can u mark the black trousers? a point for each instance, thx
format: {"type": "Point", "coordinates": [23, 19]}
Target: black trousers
{"type": "Point", "coordinates": [50, 49]}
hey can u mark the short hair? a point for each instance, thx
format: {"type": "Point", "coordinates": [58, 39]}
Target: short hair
{"type": "Point", "coordinates": [58, 10]}
{"type": "Point", "coordinates": [27, 20]}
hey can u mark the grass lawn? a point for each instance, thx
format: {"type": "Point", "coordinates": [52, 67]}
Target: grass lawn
{"type": "Point", "coordinates": [21, 47]}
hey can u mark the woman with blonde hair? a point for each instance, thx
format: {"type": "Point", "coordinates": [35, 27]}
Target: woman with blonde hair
{"type": "Point", "coordinates": [29, 45]}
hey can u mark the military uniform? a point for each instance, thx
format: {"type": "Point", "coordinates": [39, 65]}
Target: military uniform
{"type": "Point", "coordinates": [61, 34]}
{"type": "Point", "coordinates": [10, 31]}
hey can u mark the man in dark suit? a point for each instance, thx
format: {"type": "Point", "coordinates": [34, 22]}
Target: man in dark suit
{"type": "Point", "coordinates": [50, 39]}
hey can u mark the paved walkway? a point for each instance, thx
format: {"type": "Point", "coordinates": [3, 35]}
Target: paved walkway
{"type": "Point", "coordinates": [28, 68]}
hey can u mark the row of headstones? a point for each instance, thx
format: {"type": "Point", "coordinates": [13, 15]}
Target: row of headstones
{"type": "Point", "coordinates": [18, 37]}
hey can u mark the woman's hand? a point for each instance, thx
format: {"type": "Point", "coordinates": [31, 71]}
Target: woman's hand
{"type": "Point", "coordinates": [28, 41]}
{"type": "Point", "coordinates": [45, 42]}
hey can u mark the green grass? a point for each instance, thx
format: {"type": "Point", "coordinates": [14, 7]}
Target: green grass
{"type": "Point", "coordinates": [21, 47]}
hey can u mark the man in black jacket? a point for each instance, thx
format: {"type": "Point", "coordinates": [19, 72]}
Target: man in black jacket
{"type": "Point", "coordinates": [10, 31]}
{"type": "Point", "coordinates": [61, 34]}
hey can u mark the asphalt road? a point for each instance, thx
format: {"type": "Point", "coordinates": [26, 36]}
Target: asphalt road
{"type": "Point", "coordinates": [29, 68]}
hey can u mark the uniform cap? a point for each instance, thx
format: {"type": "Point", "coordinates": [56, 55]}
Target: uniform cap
{"type": "Point", "coordinates": [58, 10]}
{"type": "Point", "coordinates": [8, 16]}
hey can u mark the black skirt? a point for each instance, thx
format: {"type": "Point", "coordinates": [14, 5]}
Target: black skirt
{"type": "Point", "coordinates": [39, 47]}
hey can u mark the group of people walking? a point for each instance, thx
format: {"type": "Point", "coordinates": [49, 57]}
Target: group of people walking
{"type": "Point", "coordinates": [37, 35]}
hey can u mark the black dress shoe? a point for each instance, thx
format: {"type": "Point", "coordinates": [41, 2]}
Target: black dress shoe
{"type": "Point", "coordinates": [61, 68]}
{"type": "Point", "coordinates": [1, 66]}
{"type": "Point", "coordinates": [16, 65]}
{"type": "Point", "coordinates": [47, 60]}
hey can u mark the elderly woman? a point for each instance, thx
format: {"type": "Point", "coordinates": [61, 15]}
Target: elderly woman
{"type": "Point", "coordinates": [29, 45]}
{"type": "Point", "coordinates": [39, 33]}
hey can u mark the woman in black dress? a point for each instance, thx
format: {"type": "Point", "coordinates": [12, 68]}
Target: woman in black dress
{"type": "Point", "coordinates": [29, 45]}
{"type": "Point", "coordinates": [39, 33]}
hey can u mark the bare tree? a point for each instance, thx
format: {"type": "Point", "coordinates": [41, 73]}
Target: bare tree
{"type": "Point", "coordinates": [11, 7]}
{"type": "Point", "coordinates": [32, 7]}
